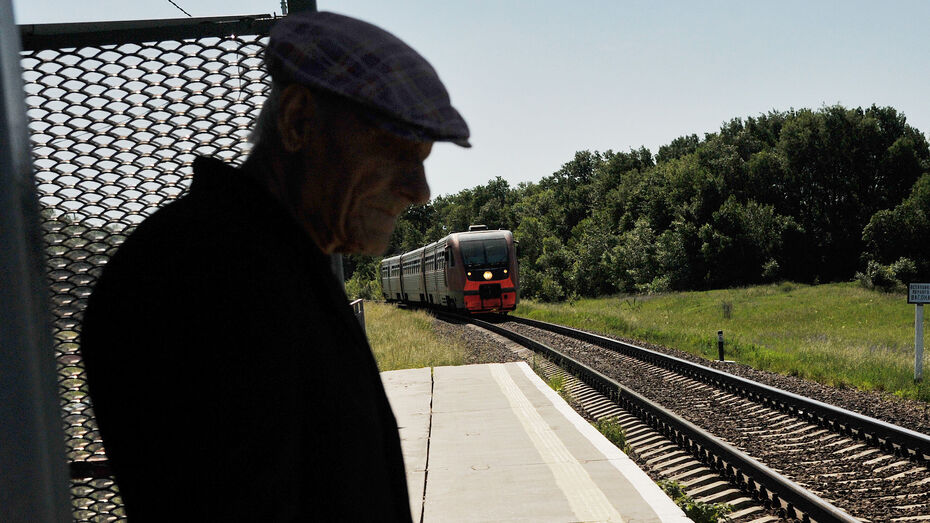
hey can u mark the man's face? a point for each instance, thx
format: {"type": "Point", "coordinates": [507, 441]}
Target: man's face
{"type": "Point", "coordinates": [361, 179]}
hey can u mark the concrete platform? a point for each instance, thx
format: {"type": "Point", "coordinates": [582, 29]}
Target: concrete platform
{"type": "Point", "coordinates": [494, 443]}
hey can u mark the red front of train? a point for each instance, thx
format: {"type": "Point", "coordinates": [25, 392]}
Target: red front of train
{"type": "Point", "coordinates": [475, 271]}
{"type": "Point", "coordinates": [490, 271]}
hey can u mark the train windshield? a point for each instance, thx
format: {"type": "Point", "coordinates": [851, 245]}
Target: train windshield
{"type": "Point", "coordinates": [486, 253]}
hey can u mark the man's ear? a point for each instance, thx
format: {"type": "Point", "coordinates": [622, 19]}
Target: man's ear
{"type": "Point", "coordinates": [296, 113]}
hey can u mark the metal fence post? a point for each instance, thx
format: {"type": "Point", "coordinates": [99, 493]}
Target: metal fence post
{"type": "Point", "coordinates": [33, 467]}
{"type": "Point", "coordinates": [358, 308]}
{"type": "Point", "coordinates": [720, 345]}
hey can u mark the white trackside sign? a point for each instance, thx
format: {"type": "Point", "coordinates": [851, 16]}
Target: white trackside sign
{"type": "Point", "coordinates": [918, 293]}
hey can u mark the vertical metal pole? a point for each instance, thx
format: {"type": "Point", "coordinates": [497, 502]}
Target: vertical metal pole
{"type": "Point", "coordinates": [361, 317]}
{"type": "Point", "coordinates": [918, 341]}
{"type": "Point", "coordinates": [720, 345]}
{"type": "Point", "coordinates": [33, 466]}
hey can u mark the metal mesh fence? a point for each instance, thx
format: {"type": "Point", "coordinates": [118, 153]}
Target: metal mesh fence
{"type": "Point", "coordinates": [114, 130]}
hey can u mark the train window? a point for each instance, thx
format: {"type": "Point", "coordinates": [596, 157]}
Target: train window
{"type": "Point", "coordinates": [496, 251]}
{"type": "Point", "coordinates": [491, 252]}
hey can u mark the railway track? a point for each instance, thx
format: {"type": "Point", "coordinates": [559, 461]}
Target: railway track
{"type": "Point", "coordinates": [662, 458]}
{"type": "Point", "coordinates": [805, 458]}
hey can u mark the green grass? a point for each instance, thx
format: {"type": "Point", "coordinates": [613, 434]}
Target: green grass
{"type": "Point", "coordinates": [557, 382]}
{"type": "Point", "coordinates": [612, 430]}
{"type": "Point", "coordinates": [697, 511]}
{"type": "Point", "coordinates": [404, 339]}
{"type": "Point", "coordinates": [838, 334]}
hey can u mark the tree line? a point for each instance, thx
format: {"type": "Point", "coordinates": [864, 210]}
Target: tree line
{"type": "Point", "coordinates": [802, 195]}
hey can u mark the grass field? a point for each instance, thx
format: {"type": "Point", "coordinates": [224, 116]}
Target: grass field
{"type": "Point", "coordinates": [403, 339]}
{"type": "Point", "coordinates": [837, 334]}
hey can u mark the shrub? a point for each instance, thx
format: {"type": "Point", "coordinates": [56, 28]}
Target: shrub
{"type": "Point", "coordinates": [529, 282]}
{"type": "Point", "coordinates": [892, 277]}
{"type": "Point", "coordinates": [902, 232]}
{"type": "Point", "coordinates": [697, 511]}
{"type": "Point", "coordinates": [612, 430]}
{"type": "Point", "coordinates": [658, 285]}
{"type": "Point", "coordinates": [771, 271]}
{"type": "Point", "coordinates": [550, 289]}
{"type": "Point", "coordinates": [358, 287]}
{"type": "Point", "coordinates": [904, 270]}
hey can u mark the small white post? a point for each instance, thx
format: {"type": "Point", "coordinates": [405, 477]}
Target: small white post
{"type": "Point", "coordinates": [918, 341]}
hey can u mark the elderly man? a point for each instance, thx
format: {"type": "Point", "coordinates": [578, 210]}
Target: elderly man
{"type": "Point", "coordinates": [230, 379]}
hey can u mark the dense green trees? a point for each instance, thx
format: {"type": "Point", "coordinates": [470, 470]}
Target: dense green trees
{"type": "Point", "coordinates": [802, 195]}
{"type": "Point", "coordinates": [898, 240]}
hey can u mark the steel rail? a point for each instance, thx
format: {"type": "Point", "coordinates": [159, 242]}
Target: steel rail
{"type": "Point", "coordinates": [888, 436]}
{"type": "Point", "coordinates": [750, 474]}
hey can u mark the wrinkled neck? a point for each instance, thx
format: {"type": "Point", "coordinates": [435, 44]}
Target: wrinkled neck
{"type": "Point", "coordinates": [277, 173]}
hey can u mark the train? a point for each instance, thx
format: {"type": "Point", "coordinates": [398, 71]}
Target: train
{"type": "Point", "coordinates": [475, 271]}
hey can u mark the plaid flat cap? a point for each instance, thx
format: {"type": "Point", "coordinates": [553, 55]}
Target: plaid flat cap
{"type": "Point", "coordinates": [366, 64]}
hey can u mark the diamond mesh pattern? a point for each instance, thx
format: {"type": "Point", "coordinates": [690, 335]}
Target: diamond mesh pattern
{"type": "Point", "coordinates": [114, 131]}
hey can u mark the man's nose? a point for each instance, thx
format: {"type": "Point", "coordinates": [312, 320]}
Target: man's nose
{"type": "Point", "coordinates": [414, 186]}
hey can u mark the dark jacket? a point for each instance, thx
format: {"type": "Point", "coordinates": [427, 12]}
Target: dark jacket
{"type": "Point", "coordinates": [230, 379]}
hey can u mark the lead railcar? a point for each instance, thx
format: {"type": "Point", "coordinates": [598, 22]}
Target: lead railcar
{"type": "Point", "coordinates": [474, 271]}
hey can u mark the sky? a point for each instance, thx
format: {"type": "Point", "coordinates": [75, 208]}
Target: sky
{"type": "Point", "coordinates": [539, 80]}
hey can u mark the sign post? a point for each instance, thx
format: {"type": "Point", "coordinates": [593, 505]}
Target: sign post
{"type": "Point", "coordinates": [918, 294]}
{"type": "Point", "coordinates": [720, 345]}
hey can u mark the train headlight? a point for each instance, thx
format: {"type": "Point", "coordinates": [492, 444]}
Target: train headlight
{"type": "Point", "coordinates": [505, 271]}
{"type": "Point", "coordinates": [469, 273]}
{"type": "Point", "coordinates": [488, 275]}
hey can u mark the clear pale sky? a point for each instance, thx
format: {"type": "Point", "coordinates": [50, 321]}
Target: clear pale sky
{"type": "Point", "coordinates": [539, 80]}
